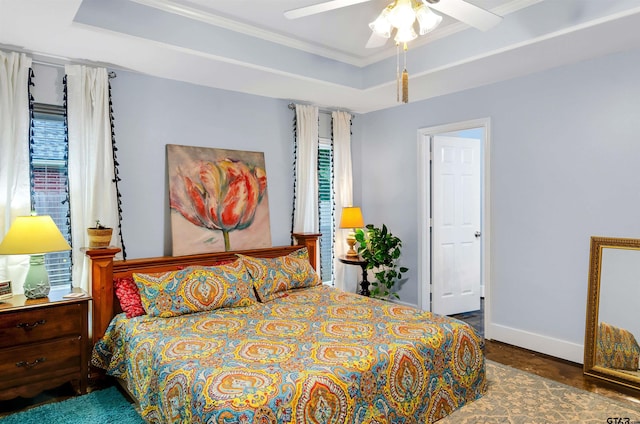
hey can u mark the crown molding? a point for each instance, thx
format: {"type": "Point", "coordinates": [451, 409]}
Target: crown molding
{"type": "Point", "coordinates": [247, 29]}
{"type": "Point", "coordinates": [201, 15]}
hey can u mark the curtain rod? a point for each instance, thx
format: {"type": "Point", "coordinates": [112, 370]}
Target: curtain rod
{"type": "Point", "coordinates": [292, 106]}
{"type": "Point", "coordinates": [111, 74]}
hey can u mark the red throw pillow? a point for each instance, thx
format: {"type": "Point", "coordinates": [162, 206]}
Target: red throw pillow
{"type": "Point", "coordinates": [129, 297]}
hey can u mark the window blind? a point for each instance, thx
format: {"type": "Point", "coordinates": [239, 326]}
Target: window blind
{"type": "Point", "coordinates": [49, 182]}
{"type": "Point", "coordinates": [325, 193]}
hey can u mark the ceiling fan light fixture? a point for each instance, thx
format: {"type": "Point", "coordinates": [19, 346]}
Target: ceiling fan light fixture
{"type": "Point", "coordinates": [404, 35]}
{"type": "Point", "coordinates": [402, 14]}
{"type": "Point", "coordinates": [427, 19]}
{"type": "Point", "coordinates": [381, 25]}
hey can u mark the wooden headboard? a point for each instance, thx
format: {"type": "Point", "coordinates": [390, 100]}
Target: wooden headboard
{"type": "Point", "coordinates": [104, 269]}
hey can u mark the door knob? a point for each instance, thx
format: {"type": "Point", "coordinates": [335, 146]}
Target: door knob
{"type": "Point", "coordinates": [478, 234]}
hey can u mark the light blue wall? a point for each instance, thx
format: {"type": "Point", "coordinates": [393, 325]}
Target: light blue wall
{"type": "Point", "coordinates": [152, 112]}
{"type": "Point", "coordinates": [565, 155]}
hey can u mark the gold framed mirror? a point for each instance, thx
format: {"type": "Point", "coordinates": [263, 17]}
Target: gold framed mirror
{"type": "Point", "coordinates": [612, 334]}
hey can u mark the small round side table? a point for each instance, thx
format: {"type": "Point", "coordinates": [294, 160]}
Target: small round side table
{"type": "Point", "coordinates": [357, 260]}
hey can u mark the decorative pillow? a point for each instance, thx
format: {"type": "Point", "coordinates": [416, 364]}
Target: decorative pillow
{"type": "Point", "coordinates": [273, 277]}
{"type": "Point", "coordinates": [127, 294]}
{"type": "Point", "coordinates": [616, 348]}
{"type": "Point", "coordinates": [195, 289]}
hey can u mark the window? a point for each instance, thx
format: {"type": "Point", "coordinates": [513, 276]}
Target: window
{"type": "Point", "coordinates": [49, 182]}
{"type": "Point", "coordinates": [325, 202]}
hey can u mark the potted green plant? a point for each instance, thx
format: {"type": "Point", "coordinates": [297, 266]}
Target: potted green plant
{"type": "Point", "coordinates": [99, 235]}
{"type": "Point", "coordinates": [381, 250]}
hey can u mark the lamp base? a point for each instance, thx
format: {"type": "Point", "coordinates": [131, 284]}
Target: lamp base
{"type": "Point", "coordinates": [352, 254]}
{"type": "Point", "coordinates": [351, 241]}
{"type": "Point", "coordinates": [36, 285]}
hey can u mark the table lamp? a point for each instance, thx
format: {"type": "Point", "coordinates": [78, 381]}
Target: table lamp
{"type": "Point", "coordinates": [351, 218]}
{"type": "Point", "coordinates": [34, 235]}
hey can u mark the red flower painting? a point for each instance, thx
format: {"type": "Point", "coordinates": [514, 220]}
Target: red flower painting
{"type": "Point", "coordinates": [222, 193]}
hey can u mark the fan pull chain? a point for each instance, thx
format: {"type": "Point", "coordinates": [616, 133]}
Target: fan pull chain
{"type": "Point", "coordinates": [398, 77]}
{"type": "Point", "coordinates": [405, 78]}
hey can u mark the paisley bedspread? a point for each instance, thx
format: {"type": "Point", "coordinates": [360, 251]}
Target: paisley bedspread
{"type": "Point", "coordinates": [317, 355]}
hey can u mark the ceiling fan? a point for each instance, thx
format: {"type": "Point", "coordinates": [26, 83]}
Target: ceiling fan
{"type": "Point", "coordinates": [461, 10]}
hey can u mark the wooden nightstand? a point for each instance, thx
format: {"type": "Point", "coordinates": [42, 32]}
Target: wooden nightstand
{"type": "Point", "coordinates": [43, 344]}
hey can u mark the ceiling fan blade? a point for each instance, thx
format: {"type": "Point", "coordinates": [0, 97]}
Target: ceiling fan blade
{"type": "Point", "coordinates": [375, 41]}
{"type": "Point", "coordinates": [320, 7]}
{"type": "Point", "coordinates": [465, 12]}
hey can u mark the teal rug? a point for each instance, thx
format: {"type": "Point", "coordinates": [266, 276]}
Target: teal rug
{"type": "Point", "coordinates": [100, 407]}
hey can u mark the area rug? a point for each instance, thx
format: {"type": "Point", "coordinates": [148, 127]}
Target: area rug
{"type": "Point", "coordinates": [518, 397]}
{"type": "Point", "coordinates": [106, 406]}
{"type": "Point", "coordinates": [513, 397]}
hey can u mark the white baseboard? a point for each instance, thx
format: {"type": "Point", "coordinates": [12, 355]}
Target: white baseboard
{"type": "Point", "coordinates": [538, 343]}
{"type": "Point", "coordinates": [400, 302]}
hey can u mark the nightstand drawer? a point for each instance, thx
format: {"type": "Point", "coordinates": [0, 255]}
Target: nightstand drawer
{"type": "Point", "coordinates": [35, 362]}
{"type": "Point", "coordinates": [40, 324]}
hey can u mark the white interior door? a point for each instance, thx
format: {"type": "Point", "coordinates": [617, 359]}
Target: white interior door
{"type": "Point", "coordinates": [456, 225]}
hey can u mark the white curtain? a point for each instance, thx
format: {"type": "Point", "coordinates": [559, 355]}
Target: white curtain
{"type": "Point", "coordinates": [305, 216]}
{"type": "Point", "coordinates": [92, 189]}
{"type": "Point", "coordinates": [345, 275]}
{"type": "Point", "coordinates": [14, 157]}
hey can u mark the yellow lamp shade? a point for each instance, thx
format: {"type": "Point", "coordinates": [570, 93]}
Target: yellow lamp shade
{"type": "Point", "coordinates": [351, 217]}
{"type": "Point", "coordinates": [33, 234]}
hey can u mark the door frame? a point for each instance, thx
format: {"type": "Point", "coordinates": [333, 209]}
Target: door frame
{"type": "Point", "coordinates": [424, 211]}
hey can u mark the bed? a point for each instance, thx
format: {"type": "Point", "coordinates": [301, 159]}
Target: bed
{"type": "Point", "coordinates": [308, 354]}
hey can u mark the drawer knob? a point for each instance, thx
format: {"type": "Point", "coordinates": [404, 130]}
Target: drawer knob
{"type": "Point", "coordinates": [32, 364]}
{"type": "Point", "coordinates": [30, 326]}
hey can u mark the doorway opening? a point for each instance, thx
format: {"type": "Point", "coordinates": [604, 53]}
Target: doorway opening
{"type": "Point", "coordinates": [454, 220]}
{"type": "Point", "coordinates": [474, 318]}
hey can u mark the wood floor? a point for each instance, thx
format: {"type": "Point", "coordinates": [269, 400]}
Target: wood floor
{"type": "Point", "coordinates": [556, 369]}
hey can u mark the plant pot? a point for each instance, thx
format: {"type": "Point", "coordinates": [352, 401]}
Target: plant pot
{"type": "Point", "coordinates": [99, 237]}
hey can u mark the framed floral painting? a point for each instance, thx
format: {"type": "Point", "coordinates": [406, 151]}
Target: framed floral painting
{"type": "Point", "coordinates": [218, 200]}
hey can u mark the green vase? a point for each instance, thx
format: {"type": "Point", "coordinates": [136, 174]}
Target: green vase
{"type": "Point", "coordinates": [36, 285]}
